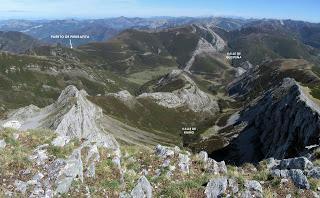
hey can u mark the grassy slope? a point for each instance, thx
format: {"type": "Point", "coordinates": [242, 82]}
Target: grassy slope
{"type": "Point", "coordinates": [260, 43]}
{"type": "Point", "coordinates": [16, 42]}
{"type": "Point", "coordinates": [130, 52]}
{"type": "Point", "coordinates": [315, 88]}
{"type": "Point", "coordinates": [14, 158]}
{"type": "Point", "coordinates": [151, 117]}
{"type": "Point", "coordinates": [21, 86]}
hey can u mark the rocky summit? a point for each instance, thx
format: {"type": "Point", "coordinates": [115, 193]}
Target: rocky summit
{"type": "Point", "coordinates": [71, 116]}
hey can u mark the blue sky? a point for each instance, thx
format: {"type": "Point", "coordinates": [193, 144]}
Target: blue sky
{"type": "Point", "coordinates": [46, 9]}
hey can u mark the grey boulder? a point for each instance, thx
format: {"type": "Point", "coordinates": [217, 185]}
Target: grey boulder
{"type": "Point", "coordinates": [2, 144]}
{"type": "Point", "coordinates": [184, 163]}
{"type": "Point", "coordinates": [216, 187]}
{"type": "Point", "coordinates": [216, 167]}
{"type": "Point", "coordinates": [253, 185]}
{"type": "Point", "coordinates": [299, 179]}
{"type": "Point", "coordinates": [314, 172]}
{"type": "Point", "coordinates": [142, 189]}
{"type": "Point", "coordinates": [301, 163]}
{"type": "Point", "coordinates": [163, 151]}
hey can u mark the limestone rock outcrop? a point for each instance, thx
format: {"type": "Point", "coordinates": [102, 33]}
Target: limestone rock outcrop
{"type": "Point", "coordinates": [228, 187]}
{"type": "Point", "coordinates": [282, 123]}
{"type": "Point", "coordinates": [72, 115]}
{"type": "Point", "coordinates": [187, 95]}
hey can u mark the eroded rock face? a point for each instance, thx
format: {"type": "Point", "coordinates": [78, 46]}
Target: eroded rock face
{"type": "Point", "coordinates": [294, 124]}
{"type": "Point", "coordinates": [71, 116]}
{"type": "Point", "coordinates": [188, 96]}
{"type": "Point", "coordinates": [281, 124]}
{"type": "Point", "coordinates": [243, 84]}
{"type": "Point", "coordinates": [244, 68]}
{"type": "Point", "coordinates": [81, 121]}
{"type": "Point", "coordinates": [205, 46]}
{"type": "Point", "coordinates": [23, 113]}
{"type": "Point", "coordinates": [217, 44]}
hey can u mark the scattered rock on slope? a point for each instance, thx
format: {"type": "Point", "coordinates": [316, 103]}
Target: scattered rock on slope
{"type": "Point", "coordinates": [297, 169]}
{"type": "Point", "coordinates": [224, 186]}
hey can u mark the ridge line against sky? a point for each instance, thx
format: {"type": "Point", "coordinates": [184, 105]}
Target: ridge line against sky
{"type": "Point", "coordinates": [306, 10]}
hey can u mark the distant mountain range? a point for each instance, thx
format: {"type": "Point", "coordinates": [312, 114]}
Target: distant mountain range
{"type": "Point", "coordinates": [103, 29]}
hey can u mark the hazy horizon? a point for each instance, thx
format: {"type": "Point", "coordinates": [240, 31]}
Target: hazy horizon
{"type": "Point", "coordinates": [97, 9]}
{"type": "Point", "coordinates": [152, 17]}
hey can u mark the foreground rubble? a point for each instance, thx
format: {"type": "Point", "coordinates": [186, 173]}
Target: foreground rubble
{"type": "Point", "coordinates": [41, 169]}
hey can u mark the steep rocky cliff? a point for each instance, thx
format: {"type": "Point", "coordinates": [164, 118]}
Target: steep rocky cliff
{"type": "Point", "coordinates": [282, 123]}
